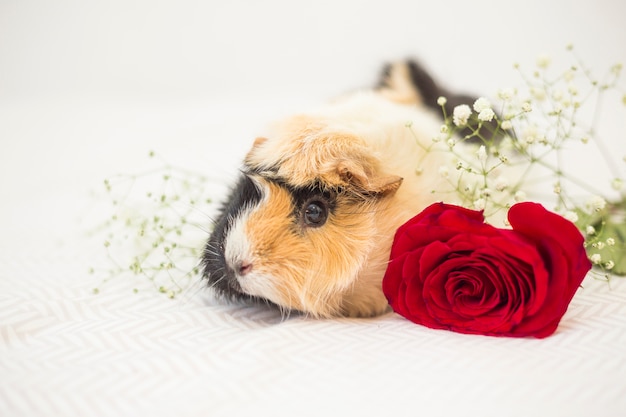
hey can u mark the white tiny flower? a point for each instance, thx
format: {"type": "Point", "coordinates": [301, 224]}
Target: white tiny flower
{"type": "Point", "coordinates": [558, 108]}
{"type": "Point", "coordinates": [451, 143]}
{"type": "Point", "coordinates": [486, 115]}
{"type": "Point", "coordinates": [486, 192]}
{"type": "Point", "coordinates": [506, 125]}
{"type": "Point", "coordinates": [461, 114]}
{"type": "Point", "coordinates": [617, 68]}
{"type": "Point", "coordinates": [501, 183]}
{"type": "Point", "coordinates": [573, 90]}
{"type": "Point", "coordinates": [481, 104]}
{"type": "Point", "coordinates": [571, 216]}
{"type": "Point", "coordinates": [444, 171]}
{"type": "Point", "coordinates": [590, 230]}
{"type": "Point", "coordinates": [610, 241]}
{"type": "Point", "coordinates": [480, 204]}
{"type": "Point", "coordinates": [600, 245]}
{"type": "Point", "coordinates": [481, 154]}
{"type": "Point", "coordinates": [443, 129]}
{"type": "Point", "coordinates": [596, 258]}
{"type": "Point", "coordinates": [596, 203]}
{"type": "Point", "coordinates": [543, 61]}
{"type": "Point", "coordinates": [617, 184]}
{"type": "Point", "coordinates": [519, 196]}
{"type": "Point", "coordinates": [506, 93]}
{"type": "Point", "coordinates": [530, 134]}
{"type": "Point", "coordinates": [526, 107]}
{"type": "Point", "coordinates": [609, 265]}
{"type": "Point", "coordinates": [538, 93]}
{"type": "Point", "coordinates": [441, 101]}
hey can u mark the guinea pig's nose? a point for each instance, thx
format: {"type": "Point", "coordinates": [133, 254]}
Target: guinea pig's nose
{"type": "Point", "coordinates": [244, 267]}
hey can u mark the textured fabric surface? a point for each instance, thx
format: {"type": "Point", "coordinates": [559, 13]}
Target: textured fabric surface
{"type": "Point", "coordinates": [65, 351]}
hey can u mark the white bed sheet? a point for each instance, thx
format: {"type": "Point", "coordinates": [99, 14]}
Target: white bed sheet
{"type": "Point", "coordinates": [65, 351]}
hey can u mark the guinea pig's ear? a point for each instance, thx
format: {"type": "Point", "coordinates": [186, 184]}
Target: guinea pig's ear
{"type": "Point", "coordinates": [255, 145]}
{"type": "Point", "coordinates": [367, 181]}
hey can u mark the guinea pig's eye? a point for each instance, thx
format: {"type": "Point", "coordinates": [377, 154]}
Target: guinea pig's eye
{"type": "Point", "coordinates": [315, 213]}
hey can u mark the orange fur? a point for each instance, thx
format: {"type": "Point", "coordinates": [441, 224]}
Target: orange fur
{"type": "Point", "coordinates": [360, 145]}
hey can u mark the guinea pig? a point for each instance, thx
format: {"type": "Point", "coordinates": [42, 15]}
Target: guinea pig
{"type": "Point", "coordinates": [310, 222]}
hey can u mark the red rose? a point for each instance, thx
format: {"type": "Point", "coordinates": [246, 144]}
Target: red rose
{"type": "Point", "coordinates": [450, 270]}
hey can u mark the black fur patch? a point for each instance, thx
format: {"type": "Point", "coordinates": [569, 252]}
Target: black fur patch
{"type": "Point", "coordinates": [218, 273]}
{"type": "Point", "coordinates": [430, 91]}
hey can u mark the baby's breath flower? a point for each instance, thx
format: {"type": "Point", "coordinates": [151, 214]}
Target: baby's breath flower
{"type": "Point", "coordinates": [481, 104]}
{"type": "Point", "coordinates": [461, 114]}
{"type": "Point", "coordinates": [444, 129]}
{"type": "Point", "coordinates": [600, 245]}
{"type": "Point", "coordinates": [506, 125]}
{"type": "Point", "coordinates": [530, 134]}
{"type": "Point", "coordinates": [596, 203]}
{"type": "Point", "coordinates": [526, 107]}
{"type": "Point", "coordinates": [590, 230]}
{"type": "Point", "coordinates": [610, 241]}
{"type": "Point", "coordinates": [596, 258]}
{"type": "Point", "coordinates": [451, 142]}
{"type": "Point", "coordinates": [480, 204]}
{"type": "Point", "coordinates": [543, 61]}
{"type": "Point", "coordinates": [569, 74]}
{"type": "Point", "coordinates": [501, 183]}
{"type": "Point", "coordinates": [571, 216]}
{"type": "Point", "coordinates": [609, 265]}
{"type": "Point", "coordinates": [486, 115]}
{"type": "Point", "coordinates": [519, 196]}
{"type": "Point", "coordinates": [538, 93]}
{"type": "Point", "coordinates": [506, 94]}
{"type": "Point", "coordinates": [441, 101]}
{"type": "Point", "coordinates": [486, 192]}
{"type": "Point", "coordinates": [481, 154]}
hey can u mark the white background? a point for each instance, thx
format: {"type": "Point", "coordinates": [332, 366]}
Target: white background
{"type": "Point", "coordinates": [80, 78]}
{"type": "Point", "coordinates": [87, 88]}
